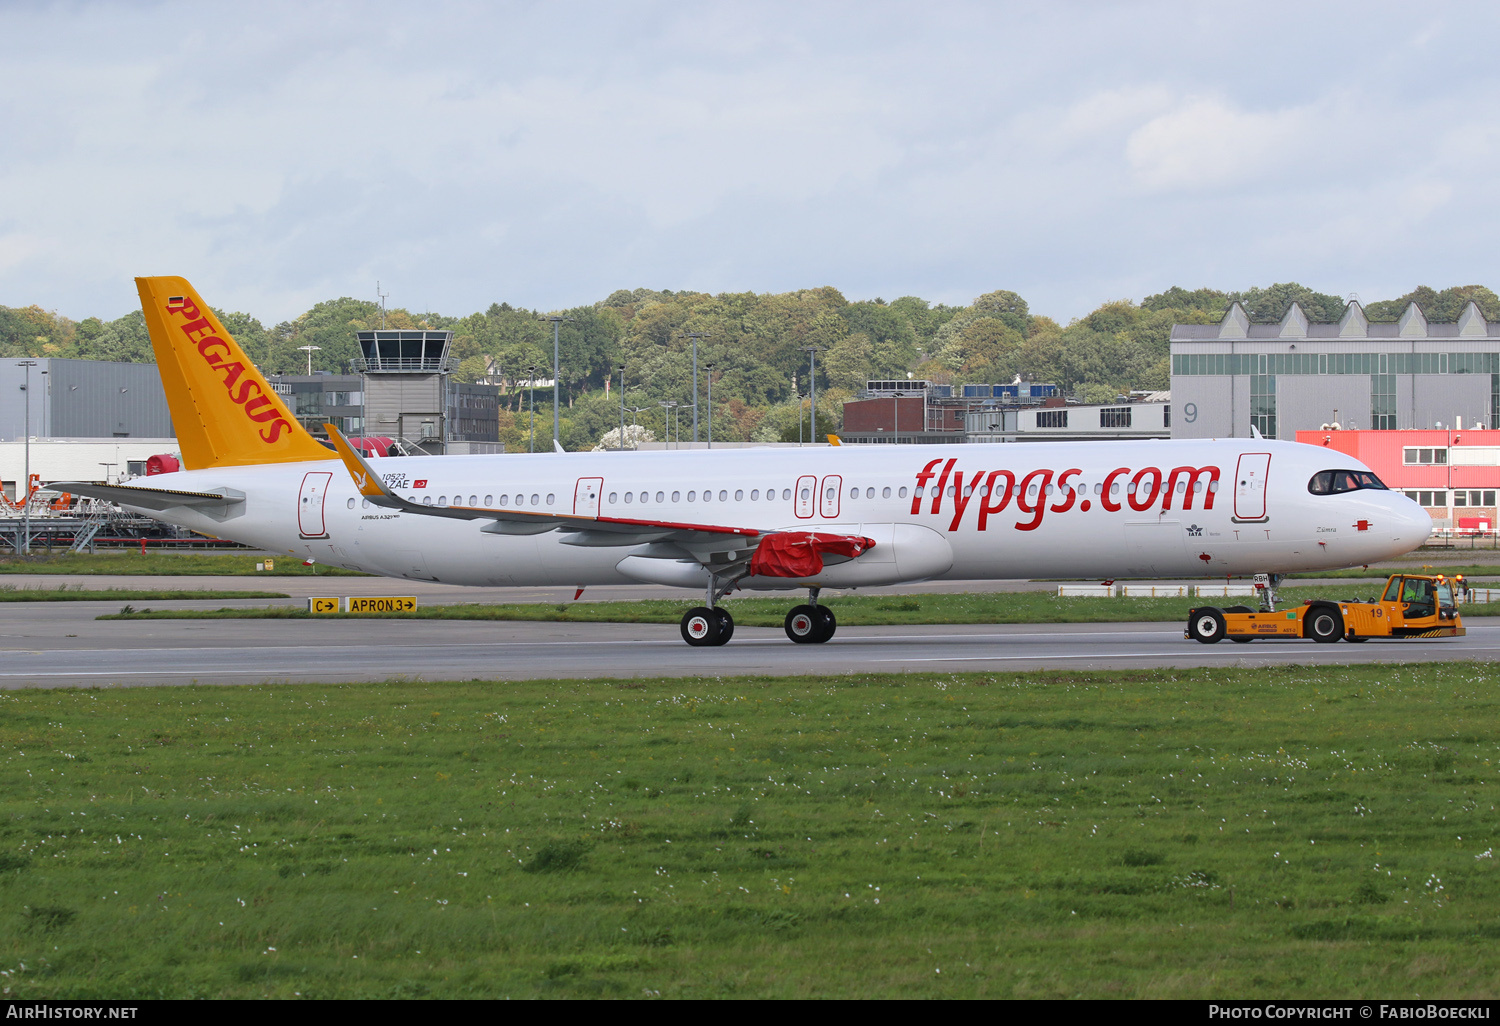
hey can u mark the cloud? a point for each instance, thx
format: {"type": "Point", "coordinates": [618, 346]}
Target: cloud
{"type": "Point", "coordinates": [1205, 143]}
{"type": "Point", "coordinates": [546, 154]}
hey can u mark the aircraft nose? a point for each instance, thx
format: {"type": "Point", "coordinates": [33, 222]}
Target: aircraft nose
{"type": "Point", "coordinates": [1412, 524]}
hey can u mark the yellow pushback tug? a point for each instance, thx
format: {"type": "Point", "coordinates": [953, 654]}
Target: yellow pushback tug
{"type": "Point", "coordinates": [1412, 606]}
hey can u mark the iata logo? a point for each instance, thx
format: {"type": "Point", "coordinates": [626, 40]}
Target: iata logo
{"type": "Point", "coordinates": [1194, 531]}
{"type": "Point", "coordinates": [247, 393]}
{"type": "Point", "coordinates": [1033, 491]}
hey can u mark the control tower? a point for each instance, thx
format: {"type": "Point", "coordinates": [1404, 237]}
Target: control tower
{"type": "Point", "coordinates": [406, 386]}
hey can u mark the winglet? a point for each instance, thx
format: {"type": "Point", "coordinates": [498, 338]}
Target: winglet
{"type": "Point", "coordinates": [834, 440]}
{"type": "Point", "coordinates": [365, 479]}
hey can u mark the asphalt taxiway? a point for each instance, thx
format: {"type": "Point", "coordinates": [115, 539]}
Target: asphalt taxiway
{"type": "Point", "coordinates": [60, 644]}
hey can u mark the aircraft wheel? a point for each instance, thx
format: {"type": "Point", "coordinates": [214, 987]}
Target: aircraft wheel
{"type": "Point", "coordinates": [1206, 626]}
{"type": "Point", "coordinates": [801, 625]}
{"type": "Point", "coordinates": [827, 624]}
{"type": "Point", "coordinates": [726, 625]}
{"type": "Point", "coordinates": [700, 627]}
{"type": "Point", "coordinates": [1324, 624]}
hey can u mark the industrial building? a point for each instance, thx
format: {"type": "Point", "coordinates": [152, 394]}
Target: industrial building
{"type": "Point", "coordinates": [81, 399]}
{"type": "Point", "coordinates": [907, 412]}
{"type": "Point", "coordinates": [1281, 379]}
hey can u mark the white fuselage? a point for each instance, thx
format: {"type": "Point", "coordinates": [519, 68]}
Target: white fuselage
{"type": "Point", "coordinates": [1070, 509]}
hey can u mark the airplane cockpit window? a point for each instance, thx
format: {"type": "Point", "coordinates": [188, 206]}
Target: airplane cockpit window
{"type": "Point", "coordinates": [1335, 482]}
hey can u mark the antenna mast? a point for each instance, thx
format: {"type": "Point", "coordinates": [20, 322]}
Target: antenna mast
{"type": "Point", "coordinates": [382, 296]}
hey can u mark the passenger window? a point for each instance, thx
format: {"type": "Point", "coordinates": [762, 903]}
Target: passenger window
{"type": "Point", "coordinates": [473, 500]}
{"type": "Point", "coordinates": [427, 500]}
{"type": "Point", "coordinates": [676, 496]}
{"type": "Point", "coordinates": [786, 493]}
{"type": "Point", "coordinates": [806, 493]}
{"type": "Point", "coordinates": [691, 496]}
{"type": "Point", "coordinates": [708, 496]}
{"type": "Point", "coordinates": [885, 493]}
{"type": "Point", "coordinates": [613, 497]}
{"type": "Point", "coordinates": [854, 493]}
{"type": "Point", "coordinates": [755, 495]}
{"type": "Point", "coordinates": [829, 495]}
{"type": "Point", "coordinates": [364, 504]}
{"type": "Point", "coordinates": [629, 497]}
{"type": "Point", "coordinates": [536, 500]}
{"type": "Point", "coordinates": [489, 500]}
{"type": "Point", "coordinates": [551, 499]}
{"type": "Point", "coordinates": [442, 500]}
{"type": "Point", "coordinates": [902, 493]}
{"type": "Point", "coordinates": [351, 503]}
{"type": "Point", "coordinates": [920, 491]}
{"type": "Point", "coordinates": [661, 497]}
{"type": "Point", "coordinates": [870, 493]}
{"type": "Point", "coordinates": [505, 500]}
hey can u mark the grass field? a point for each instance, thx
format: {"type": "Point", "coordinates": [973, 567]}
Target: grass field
{"type": "Point", "coordinates": [851, 610]}
{"type": "Point", "coordinates": [1279, 832]}
{"type": "Point", "coordinates": [63, 593]}
{"type": "Point", "coordinates": [167, 564]}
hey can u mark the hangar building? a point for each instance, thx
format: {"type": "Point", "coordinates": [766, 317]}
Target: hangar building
{"type": "Point", "coordinates": [1301, 376]}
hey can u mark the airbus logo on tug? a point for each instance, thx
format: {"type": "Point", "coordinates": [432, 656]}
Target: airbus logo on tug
{"type": "Point", "coordinates": [1037, 493]}
{"type": "Point", "coordinates": [247, 393]}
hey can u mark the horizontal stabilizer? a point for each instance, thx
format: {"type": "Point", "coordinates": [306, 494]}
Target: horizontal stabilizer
{"type": "Point", "coordinates": [151, 498]}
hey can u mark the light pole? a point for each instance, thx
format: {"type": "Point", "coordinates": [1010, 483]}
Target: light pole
{"type": "Point", "coordinates": [556, 324]}
{"type": "Point", "coordinates": [812, 385]}
{"type": "Point", "coordinates": [26, 485]}
{"type": "Point", "coordinates": [622, 407]}
{"type": "Point", "coordinates": [635, 424]}
{"type": "Point", "coordinates": [710, 403]}
{"type": "Point", "coordinates": [669, 405]}
{"type": "Point", "coordinates": [531, 391]}
{"type": "Point", "coordinates": [695, 336]}
{"type": "Point", "coordinates": [309, 350]}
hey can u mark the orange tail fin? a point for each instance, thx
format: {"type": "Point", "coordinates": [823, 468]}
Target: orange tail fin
{"type": "Point", "coordinates": [224, 412]}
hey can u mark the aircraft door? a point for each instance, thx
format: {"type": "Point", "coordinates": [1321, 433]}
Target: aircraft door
{"type": "Point", "coordinates": [1250, 486]}
{"type": "Point", "coordinates": [828, 496]}
{"type": "Point", "coordinates": [805, 497]}
{"type": "Point", "coordinates": [310, 504]}
{"type": "Point", "coordinates": [586, 496]}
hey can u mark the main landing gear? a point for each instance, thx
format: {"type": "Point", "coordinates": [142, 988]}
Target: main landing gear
{"type": "Point", "coordinates": [703, 626]}
{"type": "Point", "coordinates": [809, 624]}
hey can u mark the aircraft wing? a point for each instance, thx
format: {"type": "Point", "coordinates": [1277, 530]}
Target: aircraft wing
{"type": "Point", "coordinates": [150, 498]}
{"type": "Point", "coordinates": [726, 551]}
{"type": "Point", "coordinates": [593, 530]}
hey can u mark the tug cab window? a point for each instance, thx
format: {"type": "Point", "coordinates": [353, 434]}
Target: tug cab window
{"type": "Point", "coordinates": [1333, 482]}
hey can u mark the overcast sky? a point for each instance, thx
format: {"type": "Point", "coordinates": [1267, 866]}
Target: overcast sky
{"type": "Point", "coordinates": [546, 154]}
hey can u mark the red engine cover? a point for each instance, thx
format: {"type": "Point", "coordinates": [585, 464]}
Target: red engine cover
{"type": "Point", "coordinates": [800, 553]}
